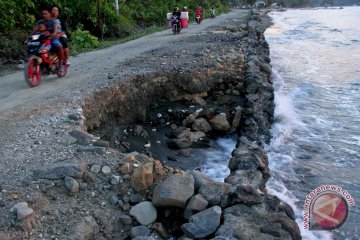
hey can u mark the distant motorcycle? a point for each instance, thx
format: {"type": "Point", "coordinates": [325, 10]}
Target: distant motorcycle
{"type": "Point", "coordinates": [41, 60]}
{"type": "Point", "coordinates": [198, 18]}
{"type": "Point", "coordinates": [212, 13]}
{"type": "Point", "coordinates": [176, 25]}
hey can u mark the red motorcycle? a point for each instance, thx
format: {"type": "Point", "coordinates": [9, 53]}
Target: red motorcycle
{"type": "Point", "coordinates": [41, 60]}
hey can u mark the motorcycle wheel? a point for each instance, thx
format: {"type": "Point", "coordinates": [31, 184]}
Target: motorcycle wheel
{"type": "Point", "coordinates": [32, 72]}
{"type": "Point", "coordinates": [63, 73]}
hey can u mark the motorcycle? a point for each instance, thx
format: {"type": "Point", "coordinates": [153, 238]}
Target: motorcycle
{"type": "Point", "coordinates": [198, 18]}
{"type": "Point", "coordinates": [176, 25]}
{"type": "Point", "coordinates": [41, 60]}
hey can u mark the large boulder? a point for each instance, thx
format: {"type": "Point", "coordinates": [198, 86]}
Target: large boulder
{"type": "Point", "coordinates": [202, 125]}
{"type": "Point", "coordinates": [59, 170]}
{"type": "Point", "coordinates": [181, 143]}
{"type": "Point", "coordinates": [82, 137]}
{"type": "Point", "coordinates": [174, 191]}
{"type": "Point", "coordinates": [85, 229]}
{"type": "Point", "coordinates": [145, 213]}
{"type": "Point", "coordinates": [214, 192]}
{"type": "Point", "coordinates": [220, 123]}
{"type": "Point", "coordinates": [143, 177]}
{"type": "Point", "coordinates": [200, 179]}
{"type": "Point", "coordinates": [203, 223]}
{"type": "Point", "coordinates": [256, 222]}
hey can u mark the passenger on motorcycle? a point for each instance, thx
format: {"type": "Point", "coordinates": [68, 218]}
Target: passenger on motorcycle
{"type": "Point", "coordinates": [44, 34]}
{"type": "Point", "coordinates": [61, 32]}
{"type": "Point", "coordinates": [51, 27]}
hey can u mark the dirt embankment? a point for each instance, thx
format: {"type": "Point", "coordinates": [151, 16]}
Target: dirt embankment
{"type": "Point", "coordinates": [90, 188]}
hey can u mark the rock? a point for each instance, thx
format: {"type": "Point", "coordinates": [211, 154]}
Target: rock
{"type": "Point", "coordinates": [220, 123]}
{"type": "Point", "coordinates": [106, 170]}
{"type": "Point", "coordinates": [56, 171]}
{"type": "Point", "coordinates": [198, 100]}
{"type": "Point", "coordinates": [189, 119]}
{"type": "Point", "coordinates": [135, 198]}
{"type": "Point", "coordinates": [113, 200]}
{"type": "Point", "coordinates": [174, 191]}
{"type": "Point", "coordinates": [85, 229]}
{"type": "Point", "coordinates": [266, 68]}
{"type": "Point", "coordinates": [236, 92]}
{"type": "Point", "coordinates": [245, 194]}
{"type": "Point", "coordinates": [139, 231]}
{"type": "Point", "coordinates": [185, 152]}
{"type": "Point", "coordinates": [200, 179]}
{"type": "Point", "coordinates": [71, 185]}
{"type": "Point", "coordinates": [115, 179]}
{"type": "Point", "coordinates": [181, 133]}
{"type": "Point", "coordinates": [237, 118]}
{"type": "Point", "coordinates": [75, 117]}
{"type": "Point", "coordinates": [145, 213]}
{"type": "Point", "coordinates": [125, 220]}
{"type": "Point", "coordinates": [196, 204]}
{"type": "Point", "coordinates": [101, 143]}
{"type": "Point", "coordinates": [82, 137]}
{"type": "Point", "coordinates": [214, 191]}
{"type": "Point", "coordinates": [93, 149]}
{"type": "Point", "coordinates": [207, 113]}
{"type": "Point", "coordinates": [249, 165]}
{"type": "Point", "coordinates": [202, 125]}
{"type": "Point", "coordinates": [139, 130]}
{"type": "Point", "coordinates": [22, 210]}
{"type": "Point", "coordinates": [159, 171]}
{"type": "Point", "coordinates": [224, 100]}
{"type": "Point", "coordinates": [203, 223]}
{"type": "Point", "coordinates": [95, 168]}
{"type": "Point", "coordinates": [195, 136]}
{"type": "Point", "coordinates": [125, 168]}
{"type": "Point", "coordinates": [131, 157]}
{"type": "Point", "coordinates": [142, 177]}
{"type": "Point", "coordinates": [159, 228]}
{"type": "Point", "coordinates": [179, 143]}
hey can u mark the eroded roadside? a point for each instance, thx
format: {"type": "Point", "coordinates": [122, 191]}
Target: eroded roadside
{"type": "Point", "coordinates": [79, 187]}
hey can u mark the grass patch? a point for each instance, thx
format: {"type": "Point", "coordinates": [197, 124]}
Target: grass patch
{"type": "Point", "coordinates": [112, 42]}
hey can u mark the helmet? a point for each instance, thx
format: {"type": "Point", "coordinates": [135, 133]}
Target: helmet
{"type": "Point", "coordinates": [176, 9]}
{"type": "Point", "coordinates": [185, 8]}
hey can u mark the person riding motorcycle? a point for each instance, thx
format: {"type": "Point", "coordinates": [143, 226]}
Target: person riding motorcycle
{"type": "Point", "coordinates": [212, 12]}
{"type": "Point", "coordinates": [199, 11]}
{"type": "Point", "coordinates": [51, 27]}
{"type": "Point", "coordinates": [176, 17]}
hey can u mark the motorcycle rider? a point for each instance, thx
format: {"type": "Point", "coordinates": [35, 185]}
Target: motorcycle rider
{"type": "Point", "coordinates": [212, 12]}
{"type": "Point", "coordinates": [176, 16]}
{"type": "Point", "coordinates": [199, 11]}
{"type": "Point", "coordinates": [61, 31]}
{"type": "Point", "coordinates": [52, 28]}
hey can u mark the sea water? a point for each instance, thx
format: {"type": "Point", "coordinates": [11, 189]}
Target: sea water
{"type": "Point", "coordinates": [316, 135]}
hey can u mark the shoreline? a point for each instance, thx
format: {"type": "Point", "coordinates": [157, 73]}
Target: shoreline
{"type": "Point", "coordinates": [135, 178]}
